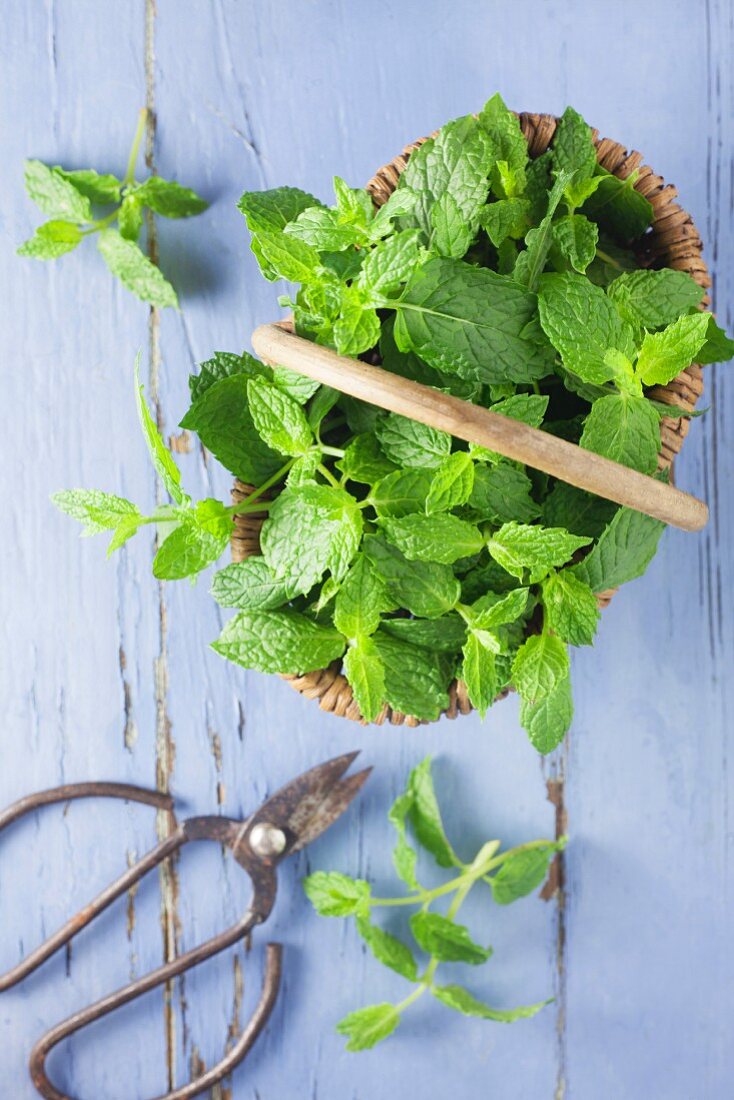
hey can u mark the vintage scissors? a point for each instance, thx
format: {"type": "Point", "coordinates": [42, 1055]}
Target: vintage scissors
{"type": "Point", "coordinates": [293, 817]}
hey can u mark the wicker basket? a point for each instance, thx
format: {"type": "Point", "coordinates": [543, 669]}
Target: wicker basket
{"type": "Point", "coordinates": [673, 241]}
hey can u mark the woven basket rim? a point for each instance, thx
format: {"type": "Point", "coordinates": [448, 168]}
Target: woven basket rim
{"type": "Point", "coordinates": [672, 241]}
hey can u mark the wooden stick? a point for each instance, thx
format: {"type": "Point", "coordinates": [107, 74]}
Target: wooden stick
{"type": "Point", "coordinates": [276, 344]}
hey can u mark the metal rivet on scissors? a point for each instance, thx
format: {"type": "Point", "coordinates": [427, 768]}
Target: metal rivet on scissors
{"type": "Point", "coordinates": [285, 823]}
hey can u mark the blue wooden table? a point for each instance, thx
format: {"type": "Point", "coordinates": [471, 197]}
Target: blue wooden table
{"type": "Point", "coordinates": [105, 673]}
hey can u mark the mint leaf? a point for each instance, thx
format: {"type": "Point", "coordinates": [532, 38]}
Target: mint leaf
{"type": "Point", "coordinates": [719, 348]}
{"type": "Point", "coordinates": [503, 493]}
{"type": "Point", "coordinates": [333, 894]}
{"type": "Point", "coordinates": [98, 188]}
{"type": "Point", "coordinates": [517, 547]}
{"type": "Point", "coordinates": [280, 421]}
{"type": "Point", "coordinates": [97, 511]}
{"type": "Point", "coordinates": [51, 240]}
{"type": "Point", "coordinates": [130, 218]}
{"type": "Point", "coordinates": [625, 429]}
{"type": "Point", "coordinates": [618, 206]}
{"type": "Point", "coordinates": [523, 871]}
{"type": "Point", "coordinates": [169, 198]}
{"type": "Point", "coordinates": [357, 329]}
{"type": "Point", "coordinates": [223, 364]}
{"type": "Point", "coordinates": [491, 611]}
{"type": "Point", "coordinates": [425, 816]}
{"type": "Point", "coordinates": [410, 443]}
{"type": "Point", "coordinates": [288, 257]}
{"type": "Point", "coordinates": [278, 641]}
{"type": "Point", "coordinates": [507, 145]}
{"type": "Point", "coordinates": [387, 949]}
{"type": "Point", "coordinates": [368, 1026]}
{"type": "Point", "coordinates": [469, 321]}
{"type": "Point", "coordinates": [570, 607]}
{"type": "Point", "coordinates": [248, 585]}
{"type": "Point", "coordinates": [579, 512]}
{"type": "Point", "coordinates": [582, 323]}
{"type": "Point", "coordinates": [389, 265]}
{"type": "Point", "coordinates": [452, 483]}
{"type": "Point", "coordinates": [445, 940]}
{"type": "Point", "coordinates": [416, 680]}
{"type": "Point", "coordinates": [320, 228]}
{"type": "Point", "coordinates": [272, 210]}
{"type": "Point", "coordinates": [402, 492]}
{"type": "Point", "coordinates": [547, 720]}
{"type": "Point", "coordinates": [653, 299]}
{"type": "Point", "coordinates": [361, 600]}
{"type": "Point", "coordinates": [427, 589]}
{"type": "Point", "coordinates": [455, 996]}
{"type": "Point", "coordinates": [665, 354]}
{"type": "Point", "coordinates": [576, 238]}
{"type": "Point", "coordinates": [530, 408]}
{"type": "Point", "coordinates": [222, 419]}
{"type": "Point", "coordinates": [624, 550]}
{"type": "Point", "coordinates": [404, 857]}
{"type": "Point", "coordinates": [135, 270]}
{"type": "Point", "coordinates": [440, 538]}
{"type": "Point", "coordinates": [531, 262]}
{"type": "Point", "coordinates": [311, 528]}
{"type": "Point", "coordinates": [540, 664]}
{"type": "Point", "coordinates": [365, 672]}
{"type": "Point", "coordinates": [55, 196]}
{"type": "Point", "coordinates": [187, 550]}
{"type": "Point", "coordinates": [505, 218]}
{"type": "Point", "coordinates": [446, 635]}
{"type": "Point", "coordinates": [162, 458]}
{"type": "Point", "coordinates": [364, 460]}
{"type": "Point", "coordinates": [573, 149]}
{"type": "Point", "coordinates": [479, 673]}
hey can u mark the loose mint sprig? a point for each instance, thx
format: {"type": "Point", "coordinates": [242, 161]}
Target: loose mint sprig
{"type": "Point", "coordinates": [68, 198]}
{"type": "Point", "coordinates": [510, 875]}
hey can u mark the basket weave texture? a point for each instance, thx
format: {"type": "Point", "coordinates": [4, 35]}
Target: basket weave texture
{"type": "Point", "coordinates": [673, 241]}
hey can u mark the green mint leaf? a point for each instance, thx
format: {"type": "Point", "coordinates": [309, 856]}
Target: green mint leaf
{"type": "Point", "coordinates": [617, 206]}
{"type": "Point", "coordinates": [517, 547]}
{"type": "Point", "coordinates": [530, 408]}
{"type": "Point", "coordinates": [303, 470]}
{"type": "Point", "coordinates": [365, 672]}
{"type": "Point", "coordinates": [296, 385]}
{"type": "Point", "coordinates": [573, 147]}
{"type": "Point", "coordinates": [427, 589]}
{"type": "Point", "coordinates": [55, 196]}
{"type": "Point", "coordinates": [127, 526]}
{"type": "Point", "coordinates": [51, 240]}
{"type": "Point", "coordinates": [624, 550]}
{"type": "Point", "coordinates": [272, 210]}
{"type": "Point", "coordinates": [719, 348]}
{"type": "Point", "coordinates": [162, 458]}
{"type": "Point", "coordinates": [388, 949]}
{"type": "Point", "coordinates": [581, 323]}
{"type": "Point", "coordinates": [358, 328]}
{"type": "Point", "coordinates": [364, 460]}
{"type": "Point", "coordinates": [665, 354]}
{"type": "Point", "coordinates": [399, 203]}
{"type": "Point", "coordinates": [456, 997]}
{"type": "Point", "coordinates": [410, 443]}
{"type": "Point", "coordinates": [540, 664]}
{"type": "Point", "coordinates": [416, 680]}
{"type": "Point", "coordinates": [538, 183]}
{"type": "Point", "coordinates": [653, 299]}
{"type": "Point", "coordinates": [451, 235]}
{"type": "Point", "coordinates": [570, 608]}
{"type": "Point", "coordinates": [507, 146]}
{"type": "Point", "coordinates": [222, 419]}
{"type": "Point", "coordinates": [98, 511]}
{"type": "Point", "coordinates": [491, 611]}
{"type": "Point", "coordinates": [223, 364]}
{"type": "Point", "coordinates": [320, 228]}
{"type": "Point", "coordinates": [548, 719]}
{"type": "Point", "coordinates": [361, 600]}
{"type": "Point", "coordinates": [278, 641]}
{"type": "Point", "coordinates": [402, 492]}
{"type": "Point", "coordinates": [425, 816]}
{"type": "Point", "coordinates": [130, 218]}
{"type": "Point", "coordinates": [369, 1026]}
{"type": "Point", "coordinates": [625, 429]}
{"type": "Point", "coordinates": [404, 856]}
{"type": "Point", "coordinates": [445, 940]}
{"type": "Point", "coordinates": [454, 164]}
{"type": "Point", "coordinates": [531, 262]}
{"type": "Point", "coordinates": [576, 238]}
{"type": "Point", "coordinates": [503, 493]}
{"type": "Point", "coordinates": [353, 204]}
{"type": "Point", "coordinates": [280, 421]}
{"type": "Point", "coordinates": [249, 586]}
{"type": "Point", "coordinates": [579, 512]}
{"type": "Point", "coordinates": [524, 870]}
{"type": "Point", "coordinates": [469, 321]}
{"type": "Point", "coordinates": [187, 550]}
{"type": "Point", "coordinates": [506, 218]}
{"type": "Point", "coordinates": [446, 635]}
{"type": "Point", "coordinates": [170, 199]}
{"type": "Point", "coordinates": [389, 265]}
{"type": "Point", "coordinates": [311, 529]}
{"type": "Point", "coordinates": [452, 483]}
{"type": "Point", "coordinates": [288, 257]}
{"type": "Point", "coordinates": [324, 400]}
{"type": "Point", "coordinates": [440, 538]}
{"type": "Point", "coordinates": [102, 189]}
{"type": "Point", "coordinates": [135, 270]}
{"type": "Point", "coordinates": [479, 673]}
{"type": "Point", "coordinates": [333, 894]}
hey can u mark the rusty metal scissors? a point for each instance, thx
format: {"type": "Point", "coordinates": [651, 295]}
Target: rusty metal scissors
{"type": "Point", "coordinates": [293, 817]}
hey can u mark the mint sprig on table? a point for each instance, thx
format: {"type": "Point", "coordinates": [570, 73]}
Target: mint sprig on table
{"type": "Point", "coordinates": [389, 546]}
{"type": "Point", "coordinates": [439, 936]}
{"type": "Point", "coordinates": [69, 198]}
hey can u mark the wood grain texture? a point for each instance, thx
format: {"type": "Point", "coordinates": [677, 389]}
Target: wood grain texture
{"type": "Point", "coordinates": [104, 675]}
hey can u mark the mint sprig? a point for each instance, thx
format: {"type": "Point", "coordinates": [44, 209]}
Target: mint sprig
{"type": "Point", "coordinates": [67, 198]}
{"type": "Point", "coordinates": [439, 936]}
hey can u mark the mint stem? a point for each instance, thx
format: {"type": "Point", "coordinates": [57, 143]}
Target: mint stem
{"type": "Point", "coordinates": [238, 509]}
{"type": "Point", "coordinates": [133, 158]}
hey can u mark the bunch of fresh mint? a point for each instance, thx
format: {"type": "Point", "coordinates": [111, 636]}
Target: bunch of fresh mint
{"type": "Point", "coordinates": [511, 874]}
{"type": "Point", "coordinates": [67, 198]}
{"type": "Point", "coordinates": [389, 546]}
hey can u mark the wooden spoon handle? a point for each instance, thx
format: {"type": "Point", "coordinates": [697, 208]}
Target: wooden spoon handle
{"type": "Point", "coordinates": [277, 344]}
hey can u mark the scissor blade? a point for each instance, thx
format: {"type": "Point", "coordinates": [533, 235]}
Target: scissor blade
{"type": "Point", "coordinates": [332, 807]}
